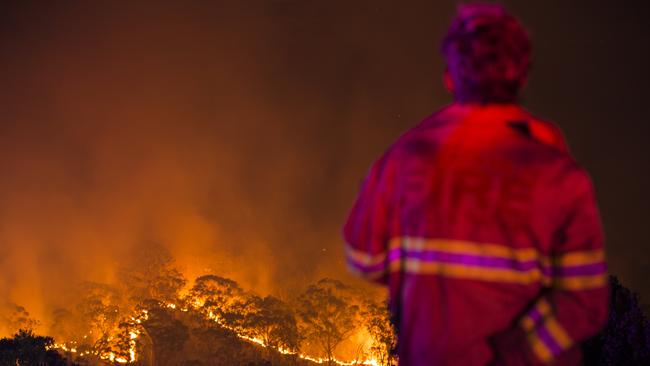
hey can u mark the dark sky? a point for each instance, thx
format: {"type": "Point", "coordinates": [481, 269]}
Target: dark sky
{"type": "Point", "coordinates": [237, 133]}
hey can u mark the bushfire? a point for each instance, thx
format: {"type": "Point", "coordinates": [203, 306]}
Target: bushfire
{"type": "Point", "coordinates": [151, 316]}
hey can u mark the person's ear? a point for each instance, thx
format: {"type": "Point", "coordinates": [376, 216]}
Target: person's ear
{"type": "Point", "coordinates": [448, 81]}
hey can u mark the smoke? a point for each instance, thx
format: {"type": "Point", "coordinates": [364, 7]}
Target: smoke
{"type": "Point", "coordinates": [227, 133]}
{"type": "Point", "coordinates": [235, 133]}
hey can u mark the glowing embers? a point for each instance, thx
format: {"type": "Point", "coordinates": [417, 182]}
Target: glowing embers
{"type": "Point", "coordinates": [260, 342]}
{"type": "Point", "coordinates": [134, 333]}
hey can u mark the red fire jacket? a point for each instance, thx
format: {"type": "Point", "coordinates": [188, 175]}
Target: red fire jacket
{"type": "Point", "coordinates": [487, 233]}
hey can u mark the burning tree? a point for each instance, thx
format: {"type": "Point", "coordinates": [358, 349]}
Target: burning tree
{"type": "Point", "coordinates": [145, 321]}
{"type": "Point", "coordinates": [329, 313]}
{"type": "Point", "coordinates": [124, 346]}
{"type": "Point", "coordinates": [150, 274]}
{"type": "Point", "coordinates": [220, 298]}
{"type": "Point", "coordinates": [377, 321]}
{"type": "Point", "coordinates": [273, 321]}
{"type": "Point", "coordinates": [99, 311]}
{"type": "Point", "coordinates": [66, 325]}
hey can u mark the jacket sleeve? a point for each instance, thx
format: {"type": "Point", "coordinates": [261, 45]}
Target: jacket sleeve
{"type": "Point", "coordinates": [366, 229]}
{"type": "Point", "coordinates": [574, 303]}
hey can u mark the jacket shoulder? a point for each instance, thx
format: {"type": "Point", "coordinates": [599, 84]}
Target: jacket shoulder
{"type": "Point", "coordinates": [546, 132]}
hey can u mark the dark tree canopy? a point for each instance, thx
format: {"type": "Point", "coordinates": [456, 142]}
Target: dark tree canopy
{"type": "Point", "coordinates": [270, 319]}
{"type": "Point", "coordinates": [626, 338]}
{"type": "Point", "coordinates": [25, 348]}
{"type": "Point", "coordinates": [168, 334]}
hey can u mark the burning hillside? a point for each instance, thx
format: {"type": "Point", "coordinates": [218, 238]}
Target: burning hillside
{"type": "Point", "coordinates": [182, 125]}
{"type": "Point", "coordinates": [213, 129]}
{"type": "Point", "coordinates": [152, 316]}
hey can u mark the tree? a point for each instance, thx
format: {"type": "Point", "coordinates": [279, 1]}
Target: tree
{"type": "Point", "coordinates": [625, 340]}
{"type": "Point", "coordinates": [168, 334]}
{"type": "Point", "coordinates": [329, 314]}
{"type": "Point", "coordinates": [272, 321]}
{"type": "Point", "coordinates": [99, 311]}
{"type": "Point", "coordinates": [125, 345]}
{"type": "Point", "coordinates": [67, 326]}
{"type": "Point", "coordinates": [217, 345]}
{"type": "Point", "coordinates": [377, 321]}
{"type": "Point", "coordinates": [220, 298]}
{"type": "Point", "coordinates": [16, 317]}
{"type": "Point", "coordinates": [150, 274]}
{"type": "Point", "coordinates": [25, 348]}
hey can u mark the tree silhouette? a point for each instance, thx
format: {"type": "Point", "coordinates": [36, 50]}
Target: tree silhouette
{"type": "Point", "coordinates": [329, 314]}
{"type": "Point", "coordinates": [99, 312]}
{"type": "Point", "coordinates": [150, 274]}
{"type": "Point", "coordinates": [625, 340]}
{"type": "Point", "coordinates": [272, 321]}
{"type": "Point", "coordinates": [217, 345]}
{"type": "Point", "coordinates": [25, 348]}
{"type": "Point", "coordinates": [377, 320]}
{"type": "Point", "coordinates": [16, 317]}
{"type": "Point", "coordinates": [167, 333]}
{"type": "Point", "coordinates": [219, 297]}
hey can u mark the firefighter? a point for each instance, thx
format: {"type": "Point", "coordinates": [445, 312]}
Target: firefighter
{"type": "Point", "coordinates": [479, 221]}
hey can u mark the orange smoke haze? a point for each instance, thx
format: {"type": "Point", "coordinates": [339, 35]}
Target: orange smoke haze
{"type": "Point", "coordinates": [217, 131]}
{"type": "Point", "coordinates": [235, 133]}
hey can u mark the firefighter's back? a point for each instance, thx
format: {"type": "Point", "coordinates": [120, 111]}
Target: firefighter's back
{"type": "Point", "coordinates": [470, 192]}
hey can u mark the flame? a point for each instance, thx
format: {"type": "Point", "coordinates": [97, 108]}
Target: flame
{"type": "Point", "coordinates": [143, 315]}
{"type": "Point", "coordinates": [110, 356]}
{"type": "Point", "coordinates": [260, 342]}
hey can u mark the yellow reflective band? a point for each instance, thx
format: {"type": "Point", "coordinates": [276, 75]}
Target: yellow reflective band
{"type": "Point", "coordinates": [539, 347]}
{"type": "Point", "coordinates": [581, 282]}
{"type": "Point", "coordinates": [466, 272]}
{"type": "Point", "coordinates": [579, 258]}
{"type": "Point", "coordinates": [472, 271]}
{"type": "Point", "coordinates": [558, 333]}
{"type": "Point", "coordinates": [363, 258]}
{"type": "Point", "coordinates": [527, 323]}
{"type": "Point", "coordinates": [543, 308]}
{"type": "Point", "coordinates": [466, 247]}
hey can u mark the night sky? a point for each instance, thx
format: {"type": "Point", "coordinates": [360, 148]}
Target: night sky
{"type": "Point", "coordinates": [237, 133]}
